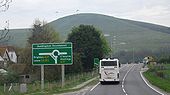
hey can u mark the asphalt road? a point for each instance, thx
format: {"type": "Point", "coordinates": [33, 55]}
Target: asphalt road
{"type": "Point", "coordinates": [131, 84]}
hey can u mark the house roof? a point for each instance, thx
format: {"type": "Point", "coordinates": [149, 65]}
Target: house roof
{"type": "Point", "coordinates": [10, 48]}
{"type": "Point", "coordinates": [2, 51]}
{"type": "Point", "coordinates": [1, 59]}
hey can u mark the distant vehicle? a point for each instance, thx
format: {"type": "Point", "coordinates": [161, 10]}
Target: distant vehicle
{"type": "Point", "coordinates": [109, 70]}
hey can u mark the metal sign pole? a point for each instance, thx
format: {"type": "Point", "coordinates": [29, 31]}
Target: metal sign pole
{"type": "Point", "coordinates": [62, 73]}
{"type": "Point", "coordinates": [4, 87]}
{"type": "Point", "coordinates": [42, 78]}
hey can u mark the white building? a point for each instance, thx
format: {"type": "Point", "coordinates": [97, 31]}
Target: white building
{"type": "Point", "coordinates": [7, 54]}
{"type": "Point", "coordinates": [12, 54]}
{"type": "Point", "coordinates": [4, 58]}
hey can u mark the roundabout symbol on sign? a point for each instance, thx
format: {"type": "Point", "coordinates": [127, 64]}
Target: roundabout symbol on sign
{"type": "Point", "coordinates": [54, 54]}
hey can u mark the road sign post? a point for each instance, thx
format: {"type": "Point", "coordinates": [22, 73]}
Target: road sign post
{"type": "Point", "coordinates": [42, 78]}
{"type": "Point", "coordinates": [62, 75]}
{"type": "Point", "coordinates": [52, 54]}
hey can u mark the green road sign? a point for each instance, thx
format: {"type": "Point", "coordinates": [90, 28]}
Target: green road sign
{"type": "Point", "coordinates": [96, 61]}
{"type": "Point", "coordinates": [52, 54]}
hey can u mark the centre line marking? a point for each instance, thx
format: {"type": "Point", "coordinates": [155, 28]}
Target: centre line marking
{"type": "Point", "coordinates": [124, 80]}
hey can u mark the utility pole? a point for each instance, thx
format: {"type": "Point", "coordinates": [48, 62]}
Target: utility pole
{"type": "Point", "coordinates": [111, 45]}
{"type": "Point", "coordinates": [114, 45]}
{"type": "Point", "coordinates": [112, 42]}
{"type": "Point", "coordinates": [133, 55]}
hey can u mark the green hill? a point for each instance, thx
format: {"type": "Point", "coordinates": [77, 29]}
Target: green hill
{"type": "Point", "coordinates": [129, 34]}
{"type": "Point", "coordinates": [19, 37]}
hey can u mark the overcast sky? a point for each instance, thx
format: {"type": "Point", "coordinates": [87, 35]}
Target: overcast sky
{"type": "Point", "coordinates": [22, 13]}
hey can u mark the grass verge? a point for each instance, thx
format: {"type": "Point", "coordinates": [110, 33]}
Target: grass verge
{"type": "Point", "coordinates": [65, 89]}
{"type": "Point", "coordinates": [55, 87]}
{"type": "Point", "coordinates": [154, 79]}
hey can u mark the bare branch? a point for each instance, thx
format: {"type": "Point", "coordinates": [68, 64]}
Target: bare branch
{"type": "Point", "coordinates": [4, 5]}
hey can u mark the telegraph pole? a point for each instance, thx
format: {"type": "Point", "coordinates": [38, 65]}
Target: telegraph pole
{"type": "Point", "coordinates": [133, 55]}
{"type": "Point", "coordinates": [114, 45]}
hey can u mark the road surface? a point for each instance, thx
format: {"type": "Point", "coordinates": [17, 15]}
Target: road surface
{"type": "Point", "coordinates": [131, 83]}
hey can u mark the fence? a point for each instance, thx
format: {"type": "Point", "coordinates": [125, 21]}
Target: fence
{"type": "Point", "coordinates": [71, 80]}
{"type": "Point", "coordinates": [161, 70]}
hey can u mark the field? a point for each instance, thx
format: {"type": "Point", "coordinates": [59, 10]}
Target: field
{"type": "Point", "coordinates": [159, 76]}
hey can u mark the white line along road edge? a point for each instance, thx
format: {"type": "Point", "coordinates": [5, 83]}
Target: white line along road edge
{"type": "Point", "coordinates": [94, 86]}
{"type": "Point", "coordinates": [148, 84]}
{"type": "Point", "coordinates": [124, 80]}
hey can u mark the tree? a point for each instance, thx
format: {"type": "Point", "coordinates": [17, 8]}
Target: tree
{"type": "Point", "coordinates": [41, 33]}
{"type": "Point", "coordinates": [89, 43]}
{"type": "Point", "coordinates": [9, 77]}
{"type": "Point", "coordinates": [76, 67]}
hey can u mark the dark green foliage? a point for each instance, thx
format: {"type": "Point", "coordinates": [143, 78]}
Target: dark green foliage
{"type": "Point", "coordinates": [164, 60]}
{"type": "Point", "coordinates": [76, 67]}
{"type": "Point", "coordinates": [10, 77]}
{"type": "Point", "coordinates": [43, 33]}
{"type": "Point", "coordinates": [89, 43]}
{"type": "Point", "coordinates": [159, 75]}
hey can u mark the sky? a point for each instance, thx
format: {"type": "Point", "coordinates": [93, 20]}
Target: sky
{"type": "Point", "coordinates": [22, 13]}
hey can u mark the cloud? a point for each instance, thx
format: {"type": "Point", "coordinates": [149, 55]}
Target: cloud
{"type": "Point", "coordinates": [151, 12]}
{"type": "Point", "coordinates": [157, 14]}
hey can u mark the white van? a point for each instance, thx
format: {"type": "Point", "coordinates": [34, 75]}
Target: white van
{"type": "Point", "coordinates": [109, 70]}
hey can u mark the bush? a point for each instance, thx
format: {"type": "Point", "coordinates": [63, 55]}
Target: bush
{"type": "Point", "coordinates": [11, 77]}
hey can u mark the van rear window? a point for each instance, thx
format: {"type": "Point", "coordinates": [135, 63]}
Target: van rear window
{"type": "Point", "coordinates": [109, 63]}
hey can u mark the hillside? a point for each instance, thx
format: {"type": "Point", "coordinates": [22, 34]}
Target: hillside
{"type": "Point", "coordinates": [129, 34]}
{"type": "Point", "coordinates": [19, 37]}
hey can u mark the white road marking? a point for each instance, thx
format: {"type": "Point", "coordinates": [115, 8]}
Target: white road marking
{"type": "Point", "coordinates": [94, 86]}
{"type": "Point", "coordinates": [124, 90]}
{"type": "Point", "coordinates": [148, 84]}
{"type": "Point", "coordinates": [124, 80]}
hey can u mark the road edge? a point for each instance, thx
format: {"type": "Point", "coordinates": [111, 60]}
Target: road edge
{"type": "Point", "coordinates": [150, 85]}
{"type": "Point", "coordinates": [83, 84]}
